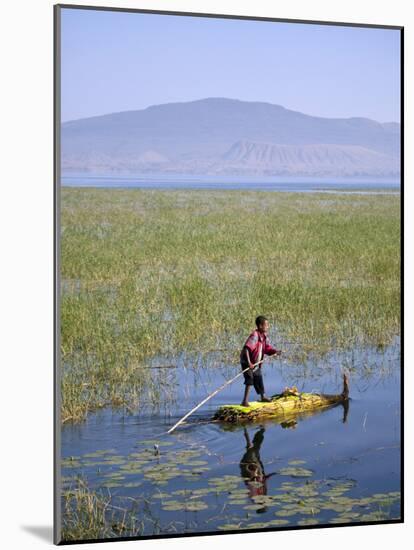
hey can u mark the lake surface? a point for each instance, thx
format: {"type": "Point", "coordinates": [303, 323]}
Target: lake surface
{"type": "Point", "coordinates": [287, 184]}
{"type": "Point", "coordinates": [337, 466]}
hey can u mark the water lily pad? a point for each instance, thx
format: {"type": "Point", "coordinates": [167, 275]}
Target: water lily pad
{"type": "Point", "coordinates": [340, 508]}
{"type": "Point", "coordinates": [196, 506]}
{"type": "Point", "coordinates": [350, 516]}
{"type": "Point", "coordinates": [223, 487]}
{"type": "Point", "coordinates": [197, 463]}
{"type": "Point", "coordinates": [263, 499]}
{"type": "Point", "coordinates": [240, 492]}
{"type": "Point", "coordinates": [133, 484]}
{"type": "Point", "coordinates": [111, 484]}
{"type": "Point", "coordinates": [374, 516]}
{"type": "Point", "coordinates": [287, 486]}
{"type": "Point", "coordinates": [71, 462]}
{"type": "Point", "coordinates": [285, 513]}
{"type": "Point", "coordinates": [338, 519]}
{"type": "Point", "coordinates": [203, 491]}
{"type": "Point", "coordinates": [296, 472]}
{"type": "Point", "coordinates": [144, 456]}
{"type": "Point", "coordinates": [309, 511]}
{"type": "Point", "coordinates": [308, 521]}
{"type": "Point", "coordinates": [279, 522]}
{"type": "Point", "coordinates": [343, 500]}
{"type": "Point", "coordinates": [225, 479]}
{"type": "Point", "coordinates": [161, 495]}
{"type": "Point", "coordinates": [258, 525]}
{"type": "Point", "coordinates": [291, 506]}
{"type": "Point", "coordinates": [229, 527]}
{"type": "Point", "coordinates": [186, 454]}
{"type": "Point", "coordinates": [172, 507]}
{"type": "Point", "coordinates": [129, 469]}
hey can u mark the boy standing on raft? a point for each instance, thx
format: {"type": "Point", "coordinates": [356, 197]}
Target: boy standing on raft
{"type": "Point", "coordinates": [256, 347]}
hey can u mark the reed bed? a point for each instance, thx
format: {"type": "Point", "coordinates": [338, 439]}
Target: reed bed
{"type": "Point", "coordinates": [90, 515]}
{"type": "Point", "coordinates": [149, 273]}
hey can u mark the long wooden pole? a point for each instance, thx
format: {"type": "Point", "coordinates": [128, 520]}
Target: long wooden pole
{"type": "Point", "coordinates": [212, 395]}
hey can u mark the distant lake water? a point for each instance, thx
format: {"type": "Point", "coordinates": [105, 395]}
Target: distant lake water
{"type": "Point", "coordinates": [251, 183]}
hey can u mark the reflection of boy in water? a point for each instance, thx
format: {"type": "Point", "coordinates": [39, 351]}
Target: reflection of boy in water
{"type": "Point", "coordinates": [251, 467]}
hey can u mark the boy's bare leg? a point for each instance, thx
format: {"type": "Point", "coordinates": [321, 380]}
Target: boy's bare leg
{"type": "Point", "coordinates": [245, 403]}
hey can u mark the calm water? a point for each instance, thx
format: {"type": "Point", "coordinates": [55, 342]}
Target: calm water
{"type": "Point", "coordinates": [290, 184]}
{"type": "Point", "coordinates": [337, 466]}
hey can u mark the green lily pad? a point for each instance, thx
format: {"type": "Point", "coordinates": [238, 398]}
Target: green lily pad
{"type": "Point", "coordinates": [196, 506]}
{"type": "Point", "coordinates": [161, 495]}
{"type": "Point", "coordinates": [258, 525]}
{"type": "Point", "coordinates": [296, 472]}
{"type": "Point", "coordinates": [285, 513]}
{"type": "Point", "coordinates": [279, 522]}
{"type": "Point", "coordinates": [71, 462]}
{"type": "Point", "coordinates": [338, 519]}
{"type": "Point", "coordinates": [133, 484]}
{"type": "Point", "coordinates": [172, 507]}
{"type": "Point", "coordinates": [237, 502]}
{"type": "Point", "coordinates": [111, 484]}
{"type": "Point", "coordinates": [309, 511]}
{"type": "Point", "coordinates": [308, 521]}
{"type": "Point", "coordinates": [240, 492]}
{"type": "Point", "coordinates": [203, 491]}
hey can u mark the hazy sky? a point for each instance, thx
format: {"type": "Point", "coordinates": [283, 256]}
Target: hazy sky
{"type": "Point", "coordinates": [115, 61]}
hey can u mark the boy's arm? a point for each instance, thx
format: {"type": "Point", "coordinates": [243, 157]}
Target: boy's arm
{"type": "Point", "coordinates": [270, 350]}
{"type": "Point", "coordinates": [247, 354]}
{"type": "Point", "coordinates": [249, 347]}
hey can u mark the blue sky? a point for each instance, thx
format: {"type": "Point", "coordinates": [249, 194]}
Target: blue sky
{"type": "Point", "coordinates": [117, 61]}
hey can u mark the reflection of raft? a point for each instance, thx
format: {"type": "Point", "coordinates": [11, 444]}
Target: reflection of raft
{"type": "Point", "coordinates": [284, 405]}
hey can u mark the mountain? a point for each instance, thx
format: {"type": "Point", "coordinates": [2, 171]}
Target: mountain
{"type": "Point", "coordinates": [233, 137]}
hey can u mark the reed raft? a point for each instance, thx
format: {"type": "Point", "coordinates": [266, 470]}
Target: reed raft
{"type": "Point", "coordinates": [287, 404]}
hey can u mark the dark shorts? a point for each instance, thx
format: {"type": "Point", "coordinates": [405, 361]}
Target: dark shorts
{"type": "Point", "coordinates": [254, 378]}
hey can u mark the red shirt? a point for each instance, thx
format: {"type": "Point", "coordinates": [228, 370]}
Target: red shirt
{"type": "Point", "coordinates": [258, 345]}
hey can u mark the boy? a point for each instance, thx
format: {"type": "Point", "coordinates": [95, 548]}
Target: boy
{"type": "Point", "coordinates": [257, 345]}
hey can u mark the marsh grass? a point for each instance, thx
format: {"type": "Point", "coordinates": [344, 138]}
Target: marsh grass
{"type": "Point", "coordinates": [147, 273]}
{"type": "Point", "coordinates": [89, 515]}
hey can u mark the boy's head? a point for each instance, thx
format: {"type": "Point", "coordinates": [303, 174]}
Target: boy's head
{"type": "Point", "coordinates": [262, 323]}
